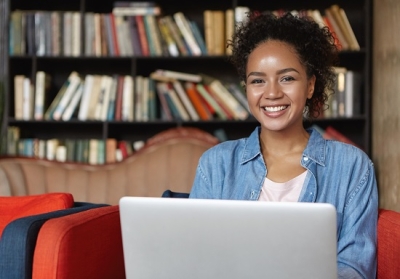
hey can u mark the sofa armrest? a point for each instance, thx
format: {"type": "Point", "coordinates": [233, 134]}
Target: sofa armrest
{"type": "Point", "coordinates": [388, 247]}
{"type": "Point", "coordinates": [17, 243]}
{"type": "Point", "coordinates": [84, 245]}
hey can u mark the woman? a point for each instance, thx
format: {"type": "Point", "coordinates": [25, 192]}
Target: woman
{"type": "Point", "coordinates": [286, 65]}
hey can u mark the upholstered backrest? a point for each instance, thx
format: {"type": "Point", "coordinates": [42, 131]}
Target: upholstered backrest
{"type": "Point", "coordinates": [388, 244]}
{"type": "Point", "coordinates": [167, 161]}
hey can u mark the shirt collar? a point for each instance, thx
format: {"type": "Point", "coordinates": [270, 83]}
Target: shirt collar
{"type": "Point", "coordinates": [315, 149]}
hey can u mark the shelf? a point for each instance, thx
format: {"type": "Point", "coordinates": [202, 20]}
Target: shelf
{"type": "Point", "coordinates": [356, 128]}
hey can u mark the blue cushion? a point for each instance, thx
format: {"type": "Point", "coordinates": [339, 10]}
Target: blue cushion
{"type": "Point", "coordinates": [17, 243]}
{"type": "Point", "coordinates": [170, 194]}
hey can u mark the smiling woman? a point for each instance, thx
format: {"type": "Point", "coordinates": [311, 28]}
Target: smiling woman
{"type": "Point", "coordinates": [286, 64]}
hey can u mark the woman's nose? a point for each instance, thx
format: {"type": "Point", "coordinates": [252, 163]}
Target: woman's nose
{"type": "Point", "coordinates": [272, 91]}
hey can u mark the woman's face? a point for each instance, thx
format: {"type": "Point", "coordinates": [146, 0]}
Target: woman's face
{"type": "Point", "coordinates": [277, 86]}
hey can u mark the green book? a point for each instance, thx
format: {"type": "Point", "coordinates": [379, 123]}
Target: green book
{"type": "Point", "coordinates": [49, 112]}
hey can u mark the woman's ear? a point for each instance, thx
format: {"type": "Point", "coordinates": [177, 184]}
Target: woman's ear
{"type": "Point", "coordinates": [311, 86]}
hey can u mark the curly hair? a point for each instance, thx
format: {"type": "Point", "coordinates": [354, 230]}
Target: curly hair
{"type": "Point", "coordinates": [315, 47]}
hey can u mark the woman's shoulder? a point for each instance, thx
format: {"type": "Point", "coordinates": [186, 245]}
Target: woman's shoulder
{"type": "Point", "coordinates": [336, 149]}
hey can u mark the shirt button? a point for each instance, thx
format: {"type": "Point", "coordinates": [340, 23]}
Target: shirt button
{"type": "Point", "coordinates": [305, 158]}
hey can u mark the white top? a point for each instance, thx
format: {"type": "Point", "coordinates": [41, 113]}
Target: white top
{"type": "Point", "coordinates": [286, 192]}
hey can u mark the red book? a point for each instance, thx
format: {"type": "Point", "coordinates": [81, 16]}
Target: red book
{"type": "Point", "coordinates": [197, 101]}
{"type": "Point", "coordinates": [142, 35]}
{"type": "Point", "coordinates": [123, 148]}
{"type": "Point", "coordinates": [118, 98]}
{"type": "Point", "coordinates": [114, 35]}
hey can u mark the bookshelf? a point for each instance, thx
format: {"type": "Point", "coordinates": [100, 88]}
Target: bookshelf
{"type": "Point", "coordinates": [356, 127]}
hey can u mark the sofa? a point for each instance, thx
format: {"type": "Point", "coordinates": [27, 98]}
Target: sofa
{"type": "Point", "coordinates": [84, 241]}
{"type": "Point", "coordinates": [168, 160]}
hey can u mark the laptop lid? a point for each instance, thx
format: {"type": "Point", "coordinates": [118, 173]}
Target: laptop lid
{"type": "Point", "coordinates": [225, 239]}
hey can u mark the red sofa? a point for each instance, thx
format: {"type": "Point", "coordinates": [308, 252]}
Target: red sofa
{"type": "Point", "coordinates": [388, 244]}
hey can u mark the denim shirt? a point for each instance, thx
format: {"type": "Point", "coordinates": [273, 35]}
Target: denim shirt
{"type": "Point", "coordinates": [337, 173]}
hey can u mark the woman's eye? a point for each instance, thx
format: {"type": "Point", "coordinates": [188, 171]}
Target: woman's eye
{"type": "Point", "coordinates": [256, 81]}
{"type": "Point", "coordinates": [287, 79]}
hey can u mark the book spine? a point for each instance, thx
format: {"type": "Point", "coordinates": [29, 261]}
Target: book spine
{"type": "Point", "coordinates": [187, 34]}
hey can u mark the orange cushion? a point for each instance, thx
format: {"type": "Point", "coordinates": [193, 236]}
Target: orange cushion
{"type": "Point", "coordinates": [15, 207]}
{"type": "Point", "coordinates": [87, 244]}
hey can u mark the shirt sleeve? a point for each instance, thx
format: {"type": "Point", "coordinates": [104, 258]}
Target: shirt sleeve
{"type": "Point", "coordinates": [358, 235]}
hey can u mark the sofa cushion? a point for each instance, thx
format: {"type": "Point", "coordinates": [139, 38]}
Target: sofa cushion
{"type": "Point", "coordinates": [18, 241]}
{"type": "Point", "coordinates": [87, 245]}
{"type": "Point", "coordinates": [12, 208]}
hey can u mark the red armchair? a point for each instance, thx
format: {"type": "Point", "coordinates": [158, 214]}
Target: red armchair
{"type": "Point", "coordinates": [388, 244]}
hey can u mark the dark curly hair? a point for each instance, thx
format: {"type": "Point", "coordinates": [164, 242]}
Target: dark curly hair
{"type": "Point", "coordinates": [314, 45]}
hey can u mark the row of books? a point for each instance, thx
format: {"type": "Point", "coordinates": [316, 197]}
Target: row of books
{"type": "Point", "coordinates": [88, 151]}
{"type": "Point", "coordinates": [346, 101]}
{"type": "Point", "coordinates": [334, 18]}
{"type": "Point", "coordinates": [166, 95]}
{"type": "Point", "coordinates": [138, 30]}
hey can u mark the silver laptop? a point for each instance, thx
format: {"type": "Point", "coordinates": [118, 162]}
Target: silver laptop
{"type": "Point", "coordinates": [221, 239]}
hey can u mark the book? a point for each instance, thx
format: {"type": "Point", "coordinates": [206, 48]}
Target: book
{"type": "Point", "coordinates": [353, 83]}
{"type": "Point", "coordinates": [109, 36]}
{"type": "Point", "coordinates": [50, 110]}
{"type": "Point", "coordinates": [73, 104]}
{"type": "Point", "coordinates": [90, 37]}
{"type": "Point", "coordinates": [237, 91]}
{"type": "Point", "coordinates": [221, 102]}
{"type": "Point", "coordinates": [167, 36]}
{"type": "Point", "coordinates": [197, 101]}
{"type": "Point", "coordinates": [331, 21]}
{"type": "Point", "coordinates": [229, 28]}
{"type": "Point", "coordinates": [104, 99]}
{"type": "Point", "coordinates": [185, 100]}
{"type": "Point", "coordinates": [28, 99]}
{"type": "Point", "coordinates": [345, 27]}
{"type": "Point", "coordinates": [118, 98]}
{"type": "Point", "coordinates": [127, 109]}
{"type": "Point", "coordinates": [115, 46]}
{"type": "Point", "coordinates": [113, 94]}
{"type": "Point", "coordinates": [198, 36]}
{"type": "Point", "coordinates": [209, 31]}
{"type": "Point", "coordinates": [353, 40]}
{"type": "Point", "coordinates": [76, 34]}
{"type": "Point", "coordinates": [66, 97]}
{"type": "Point", "coordinates": [18, 96]}
{"type": "Point", "coordinates": [135, 37]}
{"type": "Point", "coordinates": [154, 34]}
{"type": "Point", "coordinates": [85, 99]}
{"type": "Point", "coordinates": [166, 113]}
{"type": "Point", "coordinates": [145, 98]}
{"type": "Point", "coordinates": [235, 107]}
{"type": "Point", "coordinates": [142, 35]}
{"type": "Point", "coordinates": [338, 104]}
{"type": "Point", "coordinates": [94, 97]}
{"type": "Point", "coordinates": [111, 146]}
{"type": "Point", "coordinates": [177, 75]}
{"type": "Point", "coordinates": [219, 32]}
{"type": "Point", "coordinates": [152, 101]}
{"type": "Point", "coordinates": [139, 98]}
{"type": "Point", "coordinates": [211, 101]}
{"type": "Point", "coordinates": [136, 10]}
{"type": "Point", "coordinates": [183, 25]}
{"type": "Point", "coordinates": [183, 114]}
{"type": "Point", "coordinates": [176, 35]}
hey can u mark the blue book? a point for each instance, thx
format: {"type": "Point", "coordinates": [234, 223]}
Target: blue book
{"type": "Point", "coordinates": [198, 36]}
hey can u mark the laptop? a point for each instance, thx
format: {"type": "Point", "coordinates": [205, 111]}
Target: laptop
{"type": "Point", "coordinates": [226, 239]}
